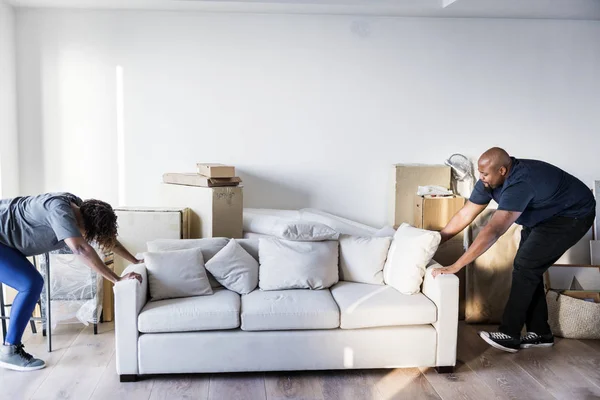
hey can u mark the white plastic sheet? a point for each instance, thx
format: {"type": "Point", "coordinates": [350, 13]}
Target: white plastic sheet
{"type": "Point", "coordinates": [75, 289]}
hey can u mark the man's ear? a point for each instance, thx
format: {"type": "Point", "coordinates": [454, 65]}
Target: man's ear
{"type": "Point", "coordinates": [503, 171]}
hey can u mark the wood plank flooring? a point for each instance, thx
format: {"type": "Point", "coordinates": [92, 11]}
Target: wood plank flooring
{"type": "Point", "coordinates": [82, 366]}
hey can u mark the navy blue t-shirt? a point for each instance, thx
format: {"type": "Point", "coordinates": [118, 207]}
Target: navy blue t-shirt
{"type": "Point", "coordinates": [540, 191]}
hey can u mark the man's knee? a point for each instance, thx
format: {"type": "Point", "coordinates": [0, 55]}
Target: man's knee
{"type": "Point", "coordinates": [526, 273]}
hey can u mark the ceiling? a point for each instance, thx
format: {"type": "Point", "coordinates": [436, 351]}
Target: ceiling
{"type": "Point", "coordinates": [557, 9]}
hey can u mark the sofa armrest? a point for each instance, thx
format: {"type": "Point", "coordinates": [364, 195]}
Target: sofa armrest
{"type": "Point", "coordinates": [130, 298]}
{"type": "Point", "coordinates": [443, 291]}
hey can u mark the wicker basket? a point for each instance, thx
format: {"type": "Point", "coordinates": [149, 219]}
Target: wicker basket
{"type": "Point", "coordinates": [573, 318]}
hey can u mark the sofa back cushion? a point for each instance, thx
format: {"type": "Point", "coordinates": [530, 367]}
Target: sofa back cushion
{"type": "Point", "coordinates": [410, 252]}
{"type": "Point", "coordinates": [286, 264]}
{"type": "Point", "coordinates": [362, 258]}
{"type": "Point", "coordinates": [178, 273]}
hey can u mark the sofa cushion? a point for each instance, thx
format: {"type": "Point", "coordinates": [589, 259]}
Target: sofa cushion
{"type": "Point", "coordinates": [289, 309]}
{"type": "Point", "coordinates": [362, 258]}
{"type": "Point", "coordinates": [221, 310]}
{"type": "Point", "coordinates": [286, 264]}
{"type": "Point", "coordinates": [369, 306]}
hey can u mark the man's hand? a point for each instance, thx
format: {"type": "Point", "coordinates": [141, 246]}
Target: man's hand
{"type": "Point", "coordinates": [139, 261]}
{"type": "Point", "coordinates": [131, 275]}
{"type": "Point", "coordinates": [452, 269]}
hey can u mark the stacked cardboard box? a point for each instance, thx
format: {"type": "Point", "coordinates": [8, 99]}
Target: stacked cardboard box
{"type": "Point", "coordinates": [207, 175]}
{"type": "Point", "coordinates": [214, 196]}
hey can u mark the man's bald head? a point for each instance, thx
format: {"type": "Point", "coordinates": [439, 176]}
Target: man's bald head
{"type": "Point", "coordinates": [495, 157]}
{"type": "Point", "coordinates": [494, 166]}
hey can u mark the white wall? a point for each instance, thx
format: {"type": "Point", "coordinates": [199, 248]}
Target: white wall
{"type": "Point", "coordinates": [9, 162]}
{"type": "Point", "coordinates": [312, 110]}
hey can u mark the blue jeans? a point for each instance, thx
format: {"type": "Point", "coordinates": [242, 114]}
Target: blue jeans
{"type": "Point", "coordinates": [17, 272]}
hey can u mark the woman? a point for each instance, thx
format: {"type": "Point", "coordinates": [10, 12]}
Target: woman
{"type": "Point", "coordinates": [35, 225]}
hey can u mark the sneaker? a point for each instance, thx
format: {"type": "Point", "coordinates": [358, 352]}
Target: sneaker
{"type": "Point", "coordinates": [14, 357]}
{"type": "Point", "coordinates": [532, 339]}
{"type": "Point", "coordinates": [501, 341]}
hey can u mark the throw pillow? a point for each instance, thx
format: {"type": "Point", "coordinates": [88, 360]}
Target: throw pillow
{"type": "Point", "coordinates": [410, 252]}
{"type": "Point", "coordinates": [234, 268]}
{"type": "Point", "coordinates": [287, 264]}
{"type": "Point", "coordinates": [178, 273]}
{"type": "Point", "coordinates": [362, 258]}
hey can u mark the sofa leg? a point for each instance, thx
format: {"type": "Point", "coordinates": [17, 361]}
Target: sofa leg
{"type": "Point", "coordinates": [445, 370]}
{"type": "Point", "coordinates": [128, 378]}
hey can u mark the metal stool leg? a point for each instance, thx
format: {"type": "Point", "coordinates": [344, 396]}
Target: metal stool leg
{"type": "Point", "coordinates": [2, 313]}
{"type": "Point", "coordinates": [48, 305]}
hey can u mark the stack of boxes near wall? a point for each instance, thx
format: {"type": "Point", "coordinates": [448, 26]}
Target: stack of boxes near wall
{"type": "Point", "coordinates": [213, 194]}
{"type": "Point", "coordinates": [429, 212]}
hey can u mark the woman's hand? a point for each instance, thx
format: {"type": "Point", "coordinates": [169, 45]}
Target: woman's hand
{"type": "Point", "coordinates": [452, 269]}
{"type": "Point", "coordinates": [131, 275]}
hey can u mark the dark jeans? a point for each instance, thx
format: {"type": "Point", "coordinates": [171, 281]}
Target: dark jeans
{"type": "Point", "coordinates": [541, 246]}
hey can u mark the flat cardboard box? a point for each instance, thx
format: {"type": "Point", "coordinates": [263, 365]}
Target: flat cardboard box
{"type": "Point", "coordinates": [194, 179]}
{"type": "Point", "coordinates": [215, 212]}
{"type": "Point", "coordinates": [406, 181]}
{"type": "Point", "coordinates": [213, 170]}
{"type": "Point", "coordinates": [139, 225]}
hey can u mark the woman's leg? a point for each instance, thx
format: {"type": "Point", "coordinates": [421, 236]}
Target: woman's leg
{"type": "Point", "coordinates": [17, 272]}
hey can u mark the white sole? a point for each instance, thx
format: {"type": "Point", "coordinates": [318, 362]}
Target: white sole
{"type": "Point", "coordinates": [496, 345]}
{"type": "Point", "coordinates": [529, 346]}
{"type": "Point", "coordinates": [21, 369]}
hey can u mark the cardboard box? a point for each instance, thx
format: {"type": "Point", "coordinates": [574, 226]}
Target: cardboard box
{"type": "Point", "coordinates": [406, 180]}
{"type": "Point", "coordinates": [194, 179]}
{"type": "Point", "coordinates": [215, 212]}
{"type": "Point", "coordinates": [139, 225]}
{"type": "Point", "coordinates": [433, 213]}
{"type": "Point", "coordinates": [216, 170]}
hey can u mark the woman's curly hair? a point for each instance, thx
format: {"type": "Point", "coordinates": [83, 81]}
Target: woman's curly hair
{"type": "Point", "coordinates": [100, 223]}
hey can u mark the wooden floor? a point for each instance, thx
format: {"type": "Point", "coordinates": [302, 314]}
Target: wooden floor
{"type": "Point", "coordinates": [82, 366]}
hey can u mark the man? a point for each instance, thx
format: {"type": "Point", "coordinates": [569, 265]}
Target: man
{"type": "Point", "coordinates": [554, 208]}
{"type": "Point", "coordinates": [34, 225]}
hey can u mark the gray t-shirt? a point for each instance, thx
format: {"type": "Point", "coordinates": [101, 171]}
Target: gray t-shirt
{"type": "Point", "coordinates": [38, 224]}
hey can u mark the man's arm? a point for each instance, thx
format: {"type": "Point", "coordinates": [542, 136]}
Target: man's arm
{"type": "Point", "coordinates": [461, 220]}
{"type": "Point", "coordinates": [498, 225]}
{"type": "Point", "coordinates": [81, 248]}
{"type": "Point", "coordinates": [120, 250]}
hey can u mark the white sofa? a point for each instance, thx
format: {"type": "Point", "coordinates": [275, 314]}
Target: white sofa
{"type": "Point", "coordinates": [349, 326]}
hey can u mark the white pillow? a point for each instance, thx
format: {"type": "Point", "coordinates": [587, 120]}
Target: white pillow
{"type": "Point", "coordinates": [411, 251]}
{"type": "Point", "coordinates": [178, 273]}
{"type": "Point", "coordinates": [287, 264]}
{"type": "Point", "coordinates": [362, 258]}
{"type": "Point", "coordinates": [209, 246]}
{"type": "Point", "coordinates": [234, 268]}
{"type": "Point", "coordinates": [288, 229]}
